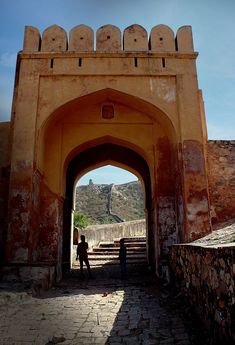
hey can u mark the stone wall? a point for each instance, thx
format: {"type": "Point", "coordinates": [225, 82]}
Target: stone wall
{"type": "Point", "coordinates": [109, 232]}
{"type": "Point", "coordinates": [205, 276]}
{"type": "Point", "coordinates": [4, 180]}
{"type": "Point", "coordinates": [109, 39]}
{"type": "Point", "coordinates": [221, 179]}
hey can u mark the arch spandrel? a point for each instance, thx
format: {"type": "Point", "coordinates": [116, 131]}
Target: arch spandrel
{"type": "Point", "coordinates": [154, 111]}
{"type": "Point", "coordinates": [160, 92]}
{"type": "Point", "coordinates": [65, 129]}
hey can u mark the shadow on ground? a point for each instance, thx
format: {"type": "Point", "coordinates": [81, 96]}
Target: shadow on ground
{"type": "Point", "coordinates": [147, 312]}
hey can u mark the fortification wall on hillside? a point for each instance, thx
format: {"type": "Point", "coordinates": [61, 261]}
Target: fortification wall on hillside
{"type": "Point", "coordinates": [221, 179]}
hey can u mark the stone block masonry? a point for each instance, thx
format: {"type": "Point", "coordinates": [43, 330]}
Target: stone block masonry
{"type": "Point", "coordinates": [4, 180]}
{"type": "Point", "coordinates": [205, 276]}
{"type": "Point", "coordinates": [221, 179]}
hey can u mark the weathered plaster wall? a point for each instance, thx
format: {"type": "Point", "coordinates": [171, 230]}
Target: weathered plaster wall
{"type": "Point", "coordinates": [221, 179]}
{"type": "Point", "coordinates": [206, 278]}
{"type": "Point", "coordinates": [62, 88]}
{"type": "Point", "coordinates": [4, 180]}
{"type": "Point", "coordinates": [4, 143]}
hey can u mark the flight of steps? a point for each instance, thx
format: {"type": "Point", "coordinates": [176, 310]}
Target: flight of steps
{"type": "Point", "coordinates": [106, 255]}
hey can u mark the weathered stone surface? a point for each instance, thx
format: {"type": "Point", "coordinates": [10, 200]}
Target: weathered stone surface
{"type": "Point", "coordinates": [4, 182]}
{"type": "Point", "coordinates": [54, 39]}
{"type": "Point", "coordinates": [32, 39]}
{"type": "Point", "coordinates": [81, 38]}
{"type": "Point", "coordinates": [162, 39]}
{"type": "Point", "coordinates": [135, 38]}
{"type": "Point", "coordinates": [184, 39]}
{"type": "Point", "coordinates": [108, 39]}
{"type": "Point", "coordinates": [109, 232]}
{"type": "Point", "coordinates": [204, 272]}
{"type": "Point", "coordinates": [221, 178]}
{"type": "Point", "coordinates": [80, 313]}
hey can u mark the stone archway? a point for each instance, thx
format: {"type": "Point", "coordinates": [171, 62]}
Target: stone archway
{"type": "Point", "coordinates": [91, 157]}
{"type": "Point", "coordinates": [67, 102]}
{"type": "Point", "coordinates": [136, 131]}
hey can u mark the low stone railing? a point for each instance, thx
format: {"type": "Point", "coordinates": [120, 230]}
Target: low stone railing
{"type": "Point", "coordinates": [109, 232]}
{"type": "Point", "coordinates": [205, 276]}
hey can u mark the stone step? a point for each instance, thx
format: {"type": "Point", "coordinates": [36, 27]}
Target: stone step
{"type": "Point", "coordinates": [112, 257]}
{"type": "Point", "coordinates": [116, 244]}
{"type": "Point", "coordinates": [102, 254]}
{"type": "Point", "coordinates": [105, 250]}
{"type": "Point", "coordinates": [131, 239]}
{"type": "Point", "coordinates": [106, 254]}
{"type": "Point", "coordinates": [114, 262]}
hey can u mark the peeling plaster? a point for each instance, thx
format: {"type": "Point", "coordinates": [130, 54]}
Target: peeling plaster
{"type": "Point", "coordinates": [193, 157]}
{"type": "Point", "coordinates": [21, 254]}
{"type": "Point", "coordinates": [196, 207]}
{"type": "Point", "coordinates": [166, 90]}
{"type": "Point", "coordinates": [22, 165]}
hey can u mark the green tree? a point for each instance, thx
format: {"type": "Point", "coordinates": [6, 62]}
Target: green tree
{"type": "Point", "coordinates": [80, 220]}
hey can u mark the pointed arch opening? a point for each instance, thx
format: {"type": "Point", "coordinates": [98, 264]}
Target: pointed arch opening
{"type": "Point", "coordinates": [98, 156]}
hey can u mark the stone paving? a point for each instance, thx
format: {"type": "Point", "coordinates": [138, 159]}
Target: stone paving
{"type": "Point", "coordinates": [110, 312]}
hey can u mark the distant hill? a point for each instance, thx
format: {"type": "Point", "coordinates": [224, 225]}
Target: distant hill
{"type": "Point", "coordinates": [110, 203]}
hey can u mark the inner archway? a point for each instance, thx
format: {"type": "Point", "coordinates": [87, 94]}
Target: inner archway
{"type": "Point", "coordinates": [94, 157]}
{"type": "Point", "coordinates": [109, 205]}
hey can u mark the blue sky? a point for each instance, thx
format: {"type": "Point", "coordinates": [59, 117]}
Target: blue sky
{"type": "Point", "coordinates": [107, 174]}
{"type": "Point", "coordinates": [213, 23]}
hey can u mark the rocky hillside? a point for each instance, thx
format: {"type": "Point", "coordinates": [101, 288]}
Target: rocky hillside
{"type": "Point", "coordinates": [109, 203]}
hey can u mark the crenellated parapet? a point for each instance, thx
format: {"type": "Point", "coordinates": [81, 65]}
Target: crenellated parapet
{"type": "Point", "coordinates": [108, 39]}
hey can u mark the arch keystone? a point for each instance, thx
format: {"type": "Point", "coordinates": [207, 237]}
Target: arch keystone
{"type": "Point", "coordinates": [108, 38]}
{"type": "Point", "coordinates": [184, 39]}
{"type": "Point", "coordinates": [135, 38]}
{"type": "Point", "coordinates": [54, 39]}
{"type": "Point", "coordinates": [32, 39]}
{"type": "Point", "coordinates": [81, 38]}
{"type": "Point", "coordinates": [162, 39]}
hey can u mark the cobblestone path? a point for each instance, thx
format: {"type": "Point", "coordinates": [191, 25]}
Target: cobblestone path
{"type": "Point", "coordinates": [97, 312]}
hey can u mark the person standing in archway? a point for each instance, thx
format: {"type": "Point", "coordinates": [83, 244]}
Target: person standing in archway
{"type": "Point", "coordinates": [122, 258]}
{"type": "Point", "coordinates": [82, 255]}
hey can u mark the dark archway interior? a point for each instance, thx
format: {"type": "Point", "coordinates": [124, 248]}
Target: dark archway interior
{"type": "Point", "coordinates": [90, 157]}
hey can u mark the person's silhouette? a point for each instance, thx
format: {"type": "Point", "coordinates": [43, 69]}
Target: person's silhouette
{"type": "Point", "coordinates": [122, 258]}
{"type": "Point", "coordinates": [82, 255]}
